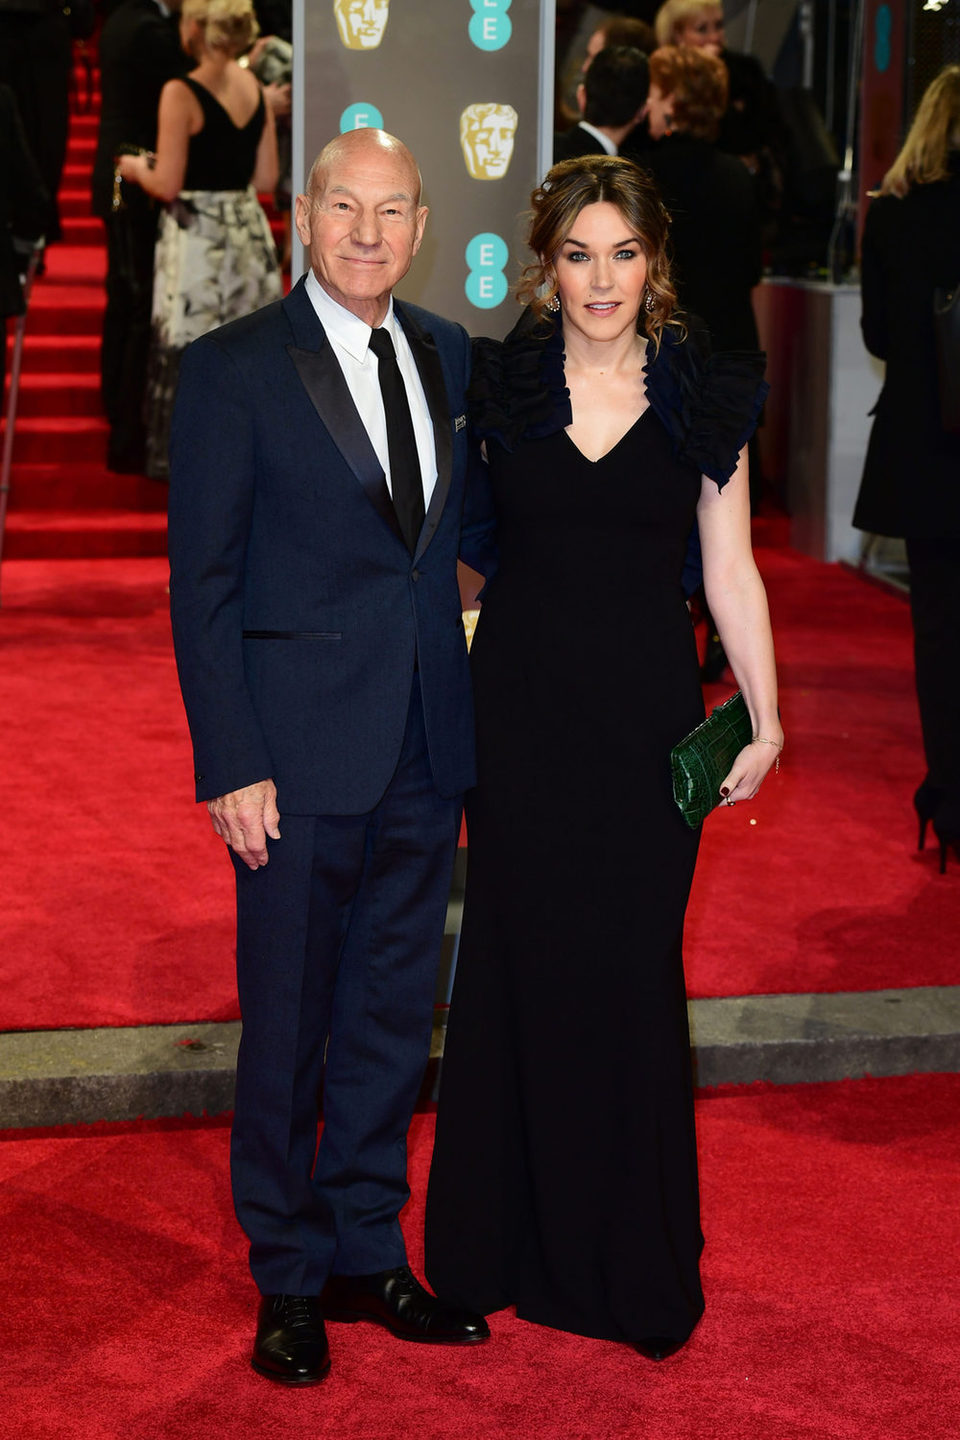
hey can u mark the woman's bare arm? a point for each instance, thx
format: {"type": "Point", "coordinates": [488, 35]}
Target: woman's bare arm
{"type": "Point", "coordinates": [738, 604]}
{"type": "Point", "coordinates": [180, 117]}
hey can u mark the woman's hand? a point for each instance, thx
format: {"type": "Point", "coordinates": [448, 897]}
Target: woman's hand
{"type": "Point", "coordinates": [750, 767]}
{"type": "Point", "coordinates": [278, 98]}
{"type": "Point", "coordinates": [133, 167]}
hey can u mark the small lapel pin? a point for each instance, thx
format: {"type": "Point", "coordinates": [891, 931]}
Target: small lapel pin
{"type": "Point", "coordinates": [459, 423]}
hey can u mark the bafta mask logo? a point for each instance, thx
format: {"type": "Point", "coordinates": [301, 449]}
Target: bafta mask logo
{"type": "Point", "coordinates": [361, 23]}
{"type": "Point", "coordinates": [486, 138]}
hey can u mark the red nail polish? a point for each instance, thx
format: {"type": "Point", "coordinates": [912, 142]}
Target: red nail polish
{"type": "Point", "coordinates": [724, 791]}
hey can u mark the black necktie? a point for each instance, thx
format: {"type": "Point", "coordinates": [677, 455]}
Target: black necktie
{"type": "Point", "coordinates": [406, 482]}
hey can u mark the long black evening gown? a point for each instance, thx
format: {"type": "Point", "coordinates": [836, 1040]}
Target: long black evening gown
{"type": "Point", "coordinates": [564, 1177]}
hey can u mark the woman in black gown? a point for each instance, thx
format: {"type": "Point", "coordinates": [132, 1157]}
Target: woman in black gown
{"type": "Point", "coordinates": [564, 1178]}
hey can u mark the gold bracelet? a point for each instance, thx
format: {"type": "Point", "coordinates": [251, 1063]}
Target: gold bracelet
{"type": "Point", "coordinates": [759, 740]}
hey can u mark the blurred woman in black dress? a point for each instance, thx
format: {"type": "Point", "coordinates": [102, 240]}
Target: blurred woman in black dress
{"type": "Point", "coordinates": [564, 1178]}
{"type": "Point", "coordinates": [911, 478]}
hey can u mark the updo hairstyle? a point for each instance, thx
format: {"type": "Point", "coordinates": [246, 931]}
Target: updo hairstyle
{"type": "Point", "coordinates": [593, 180]}
{"type": "Point", "coordinates": [697, 84]}
{"type": "Point", "coordinates": [227, 25]}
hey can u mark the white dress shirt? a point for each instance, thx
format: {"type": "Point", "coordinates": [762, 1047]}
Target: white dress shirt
{"type": "Point", "coordinates": [599, 136]}
{"type": "Point", "coordinates": [350, 339]}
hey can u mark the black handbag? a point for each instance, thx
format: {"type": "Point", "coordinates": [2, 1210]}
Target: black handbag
{"type": "Point", "coordinates": [702, 759]}
{"type": "Point", "coordinates": [946, 329]}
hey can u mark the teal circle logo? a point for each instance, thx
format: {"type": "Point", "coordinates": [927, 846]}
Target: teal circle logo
{"type": "Point", "coordinates": [486, 285]}
{"type": "Point", "coordinates": [883, 39]}
{"type": "Point", "coordinates": [361, 116]}
{"type": "Point", "coordinates": [490, 26]}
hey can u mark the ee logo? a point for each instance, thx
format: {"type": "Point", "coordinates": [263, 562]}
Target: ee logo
{"type": "Point", "coordinates": [490, 26]}
{"type": "Point", "coordinates": [486, 285]}
{"type": "Point", "coordinates": [360, 117]}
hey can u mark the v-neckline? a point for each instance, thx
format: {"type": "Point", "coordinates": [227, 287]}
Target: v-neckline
{"type": "Point", "coordinates": [219, 103]}
{"type": "Point", "coordinates": [615, 446]}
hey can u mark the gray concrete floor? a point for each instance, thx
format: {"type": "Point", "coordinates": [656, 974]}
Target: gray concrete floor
{"type": "Point", "coordinates": [54, 1077]}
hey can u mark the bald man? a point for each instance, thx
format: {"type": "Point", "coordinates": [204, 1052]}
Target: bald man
{"type": "Point", "coordinates": [318, 503]}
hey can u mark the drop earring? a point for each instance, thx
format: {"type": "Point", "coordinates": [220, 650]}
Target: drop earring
{"type": "Point", "coordinates": [553, 305]}
{"type": "Point", "coordinates": [649, 301]}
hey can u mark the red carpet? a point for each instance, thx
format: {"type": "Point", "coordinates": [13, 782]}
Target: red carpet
{"type": "Point", "coordinates": [117, 899]}
{"type": "Point", "coordinates": [833, 1232]}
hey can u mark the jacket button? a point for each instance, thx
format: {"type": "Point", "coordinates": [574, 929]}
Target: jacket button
{"type": "Point", "coordinates": [198, 778]}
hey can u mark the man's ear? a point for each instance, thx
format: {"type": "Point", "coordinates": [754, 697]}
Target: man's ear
{"type": "Point", "coordinates": [581, 97]}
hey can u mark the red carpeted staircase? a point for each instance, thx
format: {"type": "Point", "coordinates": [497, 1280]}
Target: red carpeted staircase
{"type": "Point", "coordinates": [63, 500]}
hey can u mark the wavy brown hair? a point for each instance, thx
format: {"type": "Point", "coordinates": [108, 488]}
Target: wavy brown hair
{"type": "Point", "coordinates": [595, 180]}
{"type": "Point", "coordinates": [697, 85]}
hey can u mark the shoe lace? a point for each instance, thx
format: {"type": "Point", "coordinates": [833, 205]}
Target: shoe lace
{"type": "Point", "coordinates": [297, 1310]}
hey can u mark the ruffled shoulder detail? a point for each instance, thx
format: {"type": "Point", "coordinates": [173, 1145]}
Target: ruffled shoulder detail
{"type": "Point", "coordinates": [517, 390]}
{"type": "Point", "coordinates": [709, 403]}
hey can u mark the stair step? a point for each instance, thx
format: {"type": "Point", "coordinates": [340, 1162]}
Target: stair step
{"type": "Point", "coordinates": [74, 200]}
{"type": "Point", "coordinates": [44, 354]}
{"type": "Point", "coordinates": [66, 310]}
{"type": "Point", "coordinates": [52, 395]}
{"type": "Point", "coordinates": [67, 535]}
{"type": "Point", "coordinates": [76, 263]}
{"type": "Point", "coordinates": [82, 230]}
{"type": "Point", "coordinates": [83, 489]}
{"type": "Point", "coordinates": [71, 439]}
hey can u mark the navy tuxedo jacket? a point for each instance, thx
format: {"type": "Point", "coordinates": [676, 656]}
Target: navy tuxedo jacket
{"type": "Point", "coordinates": [298, 611]}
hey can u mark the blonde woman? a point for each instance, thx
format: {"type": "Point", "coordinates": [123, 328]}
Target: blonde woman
{"type": "Point", "coordinates": [691, 22]}
{"type": "Point", "coordinates": [911, 477]}
{"type": "Point", "coordinates": [216, 147]}
{"type": "Point", "coordinates": [751, 126]}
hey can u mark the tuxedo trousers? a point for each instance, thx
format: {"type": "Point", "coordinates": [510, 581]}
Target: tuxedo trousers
{"type": "Point", "coordinates": [338, 941]}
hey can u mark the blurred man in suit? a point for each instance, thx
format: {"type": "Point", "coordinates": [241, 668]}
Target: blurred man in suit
{"type": "Point", "coordinates": [24, 209]}
{"type": "Point", "coordinates": [611, 97]}
{"type": "Point", "coordinates": [139, 52]}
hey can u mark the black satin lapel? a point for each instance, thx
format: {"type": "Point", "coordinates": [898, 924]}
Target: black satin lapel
{"type": "Point", "coordinates": [323, 381]}
{"type": "Point", "coordinates": [434, 388]}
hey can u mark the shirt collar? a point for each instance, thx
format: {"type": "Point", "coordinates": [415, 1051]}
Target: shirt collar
{"type": "Point", "coordinates": [347, 329]}
{"type": "Point", "coordinates": [599, 136]}
{"type": "Point", "coordinates": [165, 10]}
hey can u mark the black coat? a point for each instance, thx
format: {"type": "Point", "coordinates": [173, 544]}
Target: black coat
{"type": "Point", "coordinates": [571, 144]}
{"type": "Point", "coordinates": [911, 478]}
{"type": "Point", "coordinates": [24, 203]}
{"type": "Point", "coordinates": [139, 52]}
{"type": "Point", "coordinates": [715, 236]}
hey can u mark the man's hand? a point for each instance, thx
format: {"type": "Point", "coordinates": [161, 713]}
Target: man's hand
{"type": "Point", "coordinates": [245, 818]}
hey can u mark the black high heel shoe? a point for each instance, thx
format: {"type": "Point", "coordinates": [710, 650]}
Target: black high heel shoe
{"type": "Point", "coordinates": [925, 802]}
{"type": "Point", "coordinates": [946, 827]}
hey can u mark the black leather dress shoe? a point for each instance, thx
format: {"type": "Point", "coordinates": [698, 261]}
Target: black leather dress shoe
{"type": "Point", "coordinates": [396, 1300]}
{"type": "Point", "coordinates": [291, 1344]}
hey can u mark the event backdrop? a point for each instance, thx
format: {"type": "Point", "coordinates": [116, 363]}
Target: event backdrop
{"type": "Point", "coordinates": [468, 85]}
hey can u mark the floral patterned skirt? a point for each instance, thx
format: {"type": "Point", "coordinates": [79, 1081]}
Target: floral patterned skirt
{"type": "Point", "coordinates": [215, 261]}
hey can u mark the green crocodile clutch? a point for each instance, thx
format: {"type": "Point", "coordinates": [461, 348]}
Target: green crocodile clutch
{"type": "Point", "coordinates": [702, 760]}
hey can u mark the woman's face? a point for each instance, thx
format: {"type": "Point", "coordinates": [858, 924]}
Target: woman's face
{"type": "Point", "coordinates": [601, 274]}
{"type": "Point", "coordinates": [703, 32]}
{"type": "Point", "coordinates": [659, 113]}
